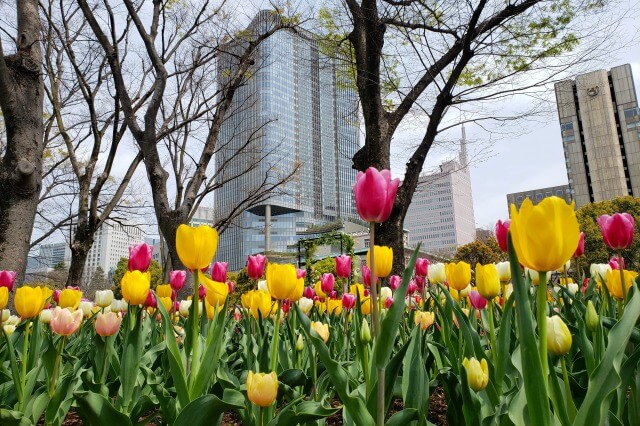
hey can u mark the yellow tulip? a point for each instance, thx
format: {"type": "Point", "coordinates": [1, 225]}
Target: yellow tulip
{"type": "Point", "coordinates": [298, 290]}
{"type": "Point", "coordinates": [29, 301]}
{"type": "Point", "coordinates": [558, 336]}
{"type": "Point", "coordinates": [546, 235]}
{"type": "Point", "coordinates": [424, 319]}
{"type": "Point", "coordinates": [167, 303]}
{"type": "Point", "coordinates": [164, 290]}
{"type": "Point", "coordinates": [4, 297]}
{"type": "Point", "coordinates": [334, 306]}
{"type": "Point", "coordinates": [458, 275]}
{"type": "Point", "coordinates": [282, 280]}
{"type": "Point", "coordinates": [357, 289]}
{"type": "Point", "coordinates": [383, 259]}
{"type": "Point", "coordinates": [135, 287]}
{"type": "Point", "coordinates": [47, 294]}
{"type": "Point", "coordinates": [477, 373]}
{"type": "Point", "coordinates": [69, 298]}
{"type": "Point", "coordinates": [318, 289]}
{"type": "Point", "coordinates": [612, 279]}
{"type": "Point", "coordinates": [196, 246]}
{"type": "Point", "coordinates": [211, 310]}
{"type": "Point", "coordinates": [365, 306]}
{"type": "Point", "coordinates": [258, 303]}
{"type": "Point", "coordinates": [321, 329]}
{"type": "Point", "coordinates": [487, 280]}
{"type": "Point", "coordinates": [262, 389]}
{"type": "Point", "coordinates": [321, 306]}
{"type": "Point", "coordinates": [217, 292]}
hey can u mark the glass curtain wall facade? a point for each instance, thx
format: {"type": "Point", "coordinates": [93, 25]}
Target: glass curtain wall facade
{"type": "Point", "coordinates": [294, 113]}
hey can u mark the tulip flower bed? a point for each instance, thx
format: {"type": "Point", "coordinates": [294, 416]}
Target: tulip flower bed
{"type": "Point", "coordinates": [499, 343]}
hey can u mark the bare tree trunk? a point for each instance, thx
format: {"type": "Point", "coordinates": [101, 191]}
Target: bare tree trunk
{"type": "Point", "coordinates": [82, 242]}
{"type": "Point", "coordinates": [21, 100]}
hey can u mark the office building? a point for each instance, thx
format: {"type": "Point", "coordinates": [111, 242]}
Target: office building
{"type": "Point", "coordinates": [294, 116]}
{"type": "Point", "coordinates": [600, 125]}
{"type": "Point", "coordinates": [54, 254]}
{"type": "Point", "coordinates": [112, 241]}
{"type": "Point", "coordinates": [537, 195]}
{"type": "Point", "coordinates": [441, 212]}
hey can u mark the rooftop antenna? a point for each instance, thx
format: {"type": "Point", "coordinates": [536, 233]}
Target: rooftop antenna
{"type": "Point", "coordinates": [463, 148]}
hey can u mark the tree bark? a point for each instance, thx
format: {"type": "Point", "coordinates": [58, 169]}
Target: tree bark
{"type": "Point", "coordinates": [21, 101]}
{"type": "Point", "coordinates": [83, 240]}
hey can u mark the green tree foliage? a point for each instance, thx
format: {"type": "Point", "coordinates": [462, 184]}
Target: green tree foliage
{"type": "Point", "coordinates": [479, 251]}
{"type": "Point", "coordinates": [154, 268]}
{"type": "Point", "coordinates": [242, 285]}
{"type": "Point", "coordinates": [595, 250]}
{"type": "Point", "coordinates": [324, 266]}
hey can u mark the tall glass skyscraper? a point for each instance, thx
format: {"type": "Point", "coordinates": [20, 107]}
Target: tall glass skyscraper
{"type": "Point", "coordinates": [294, 113]}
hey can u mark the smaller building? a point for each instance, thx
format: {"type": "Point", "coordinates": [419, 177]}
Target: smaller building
{"type": "Point", "coordinates": [537, 195]}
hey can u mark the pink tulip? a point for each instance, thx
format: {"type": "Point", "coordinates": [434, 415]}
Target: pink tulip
{"type": "Point", "coordinates": [231, 286]}
{"type": "Point", "coordinates": [420, 281]}
{"type": "Point", "coordinates": [7, 279]}
{"type": "Point", "coordinates": [64, 322]}
{"type": "Point", "coordinates": [140, 257]}
{"type": "Point", "coordinates": [348, 301]}
{"type": "Point", "coordinates": [255, 266]}
{"type": "Point", "coordinates": [617, 230]}
{"type": "Point", "coordinates": [107, 324]}
{"type": "Point", "coordinates": [151, 301]}
{"type": "Point", "coordinates": [580, 249]}
{"type": "Point", "coordinates": [502, 230]}
{"type": "Point", "coordinates": [477, 301]}
{"type": "Point", "coordinates": [202, 291]}
{"type": "Point", "coordinates": [388, 303]}
{"type": "Point", "coordinates": [412, 287]}
{"type": "Point", "coordinates": [301, 273]}
{"type": "Point", "coordinates": [309, 293]}
{"type": "Point", "coordinates": [56, 295]}
{"type": "Point", "coordinates": [177, 279]}
{"type": "Point", "coordinates": [375, 193]}
{"type": "Point", "coordinates": [366, 292]}
{"type": "Point", "coordinates": [219, 272]}
{"type": "Point", "coordinates": [343, 266]}
{"type": "Point", "coordinates": [615, 264]}
{"type": "Point", "coordinates": [394, 282]}
{"type": "Point", "coordinates": [333, 294]}
{"type": "Point", "coordinates": [327, 282]}
{"type": "Point", "coordinates": [422, 267]}
{"type": "Point", "coordinates": [366, 276]}
{"type": "Point", "coordinates": [176, 305]}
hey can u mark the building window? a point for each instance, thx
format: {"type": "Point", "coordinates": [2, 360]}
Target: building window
{"type": "Point", "coordinates": [539, 196]}
{"type": "Point", "coordinates": [631, 112]}
{"type": "Point", "coordinates": [548, 193]}
{"type": "Point", "coordinates": [519, 198]}
{"type": "Point", "coordinates": [570, 138]}
{"type": "Point", "coordinates": [565, 127]}
{"type": "Point", "coordinates": [559, 192]}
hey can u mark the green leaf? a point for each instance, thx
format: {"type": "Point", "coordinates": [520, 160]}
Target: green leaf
{"type": "Point", "coordinates": [97, 410]}
{"type": "Point", "coordinates": [415, 380]}
{"type": "Point", "coordinates": [299, 413]}
{"type": "Point", "coordinates": [131, 355]}
{"type": "Point", "coordinates": [13, 418]}
{"type": "Point", "coordinates": [208, 409]}
{"type": "Point", "coordinates": [504, 343]}
{"type": "Point", "coordinates": [606, 376]}
{"type": "Point", "coordinates": [401, 418]}
{"type": "Point", "coordinates": [534, 380]}
{"type": "Point", "coordinates": [15, 372]}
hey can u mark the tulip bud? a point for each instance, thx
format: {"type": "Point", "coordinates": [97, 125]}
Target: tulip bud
{"type": "Point", "coordinates": [394, 282]}
{"type": "Point", "coordinates": [7, 279]}
{"type": "Point", "coordinates": [308, 292]}
{"type": "Point", "coordinates": [45, 316]}
{"type": "Point", "coordinates": [614, 263]}
{"type": "Point", "coordinates": [327, 281]}
{"type": "Point", "coordinates": [151, 301]}
{"type": "Point", "coordinates": [422, 267]}
{"type": "Point", "coordinates": [477, 301]}
{"type": "Point", "coordinates": [477, 373]}
{"type": "Point", "coordinates": [299, 343]}
{"type": "Point", "coordinates": [366, 276]}
{"type": "Point", "coordinates": [219, 271]}
{"type": "Point", "coordinates": [104, 298]}
{"type": "Point", "coordinates": [365, 332]}
{"type": "Point", "coordinates": [412, 287]}
{"type": "Point", "coordinates": [592, 319]}
{"type": "Point", "coordinates": [558, 336]}
{"type": "Point", "coordinates": [502, 231]}
{"type": "Point", "coordinates": [343, 266]}
{"type": "Point", "coordinates": [573, 288]}
{"type": "Point", "coordinates": [177, 279]}
{"type": "Point", "coordinates": [202, 291]}
{"type": "Point", "coordinates": [140, 257]}
{"type": "Point", "coordinates": [348, 301]}
{"type": "Point", "coordinates": [262, 389]}
{"type": "Point", "coordinates": [420, 281]}
{"type": "Point", "coordinates": [56, 295]}
{"type": "Point", "coordinates": [255, 266]}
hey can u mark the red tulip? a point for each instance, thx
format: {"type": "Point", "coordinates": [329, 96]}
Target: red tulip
{"type": "Point", "coordinates": [140, 257]}
{"type": "Point", "coordinates": [343, 266]}
{"type": "Point", "coordinates": [151, 301]}
{"type": "Point", "coordinates": [231, 286]}
{"type": "Point", "coordinates": [286, 306]}
{"type": "Point", "coordinates": [502, 230]}
{"type": "Point", "coordinates": [348, 300]}
{"type": "Point", "coordinates": [422, 267]}
{"type": "Point", "coordinates": [615, 264]}
{"type": "Point", "coordinates": [7, 279]}
{"type": "Point", "coordinates": [309, 293]}
{"type": "Point", "coordinates": [420, 281]}
{"type": "Point", "coordinates": [412, 287]}
{"type": "Point", "coordinates": [580, 249]}
{"type": "Point", "coordinates": [477, 301]}
{"type": "Point", "coordinates": [327, 281]}
{"type": "Point", "coordinates": [301, 273]}
{"type": "Point", "coordinates": [202, 291]}
{"type": "Point", "coordinates": [219, 272]}
{"type": "Point", "coordinates": [255, 266]}
{"type": "Point", "coordinates": [56, 295]}
{"type": "Point", "coordinates": [177, 279]}
{"type": "Point", "coordinates": [617, 230]}
{"type": "Point", "coordinates": [366, 276]}
{"type": "Point", "coordinates": [394, 282]}
{"type": "Point", "coordinates": [388, 303]}
{"type": "Point", "coordinates": [375, 193]}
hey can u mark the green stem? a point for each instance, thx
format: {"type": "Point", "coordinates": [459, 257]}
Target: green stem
{"type": "Point", "coordinates": [541, 308]}
{"type": "Point", "coordinates": [380, 408]}
{"type": "Point", "coordinates": [274, 343]}
{"type": "Point", "coordinates": [56, 366]}
{"type": "Point", "coordinates": [195, 328]}
{"type": "Point", "coordinates": [567, 389]}
{"type": "Point", "coordinates": [260, 415]}
{"type": "Point", "coordinates": [492, 330]}
{"type": "Point", "coordinates": [376, 322]}
{"type": "Point", "coordinates": [103, 371]}
{"type": "Point", "coordinates": [25, 353]}
{"type": "Point", "coordinates": [622, 283]}
{"type": "Point", "coordinates": [314, 372]}
{"type": "Point", "coordinates": [365, 367]}
{"type": "Point", "coordinates": [346, 334]}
